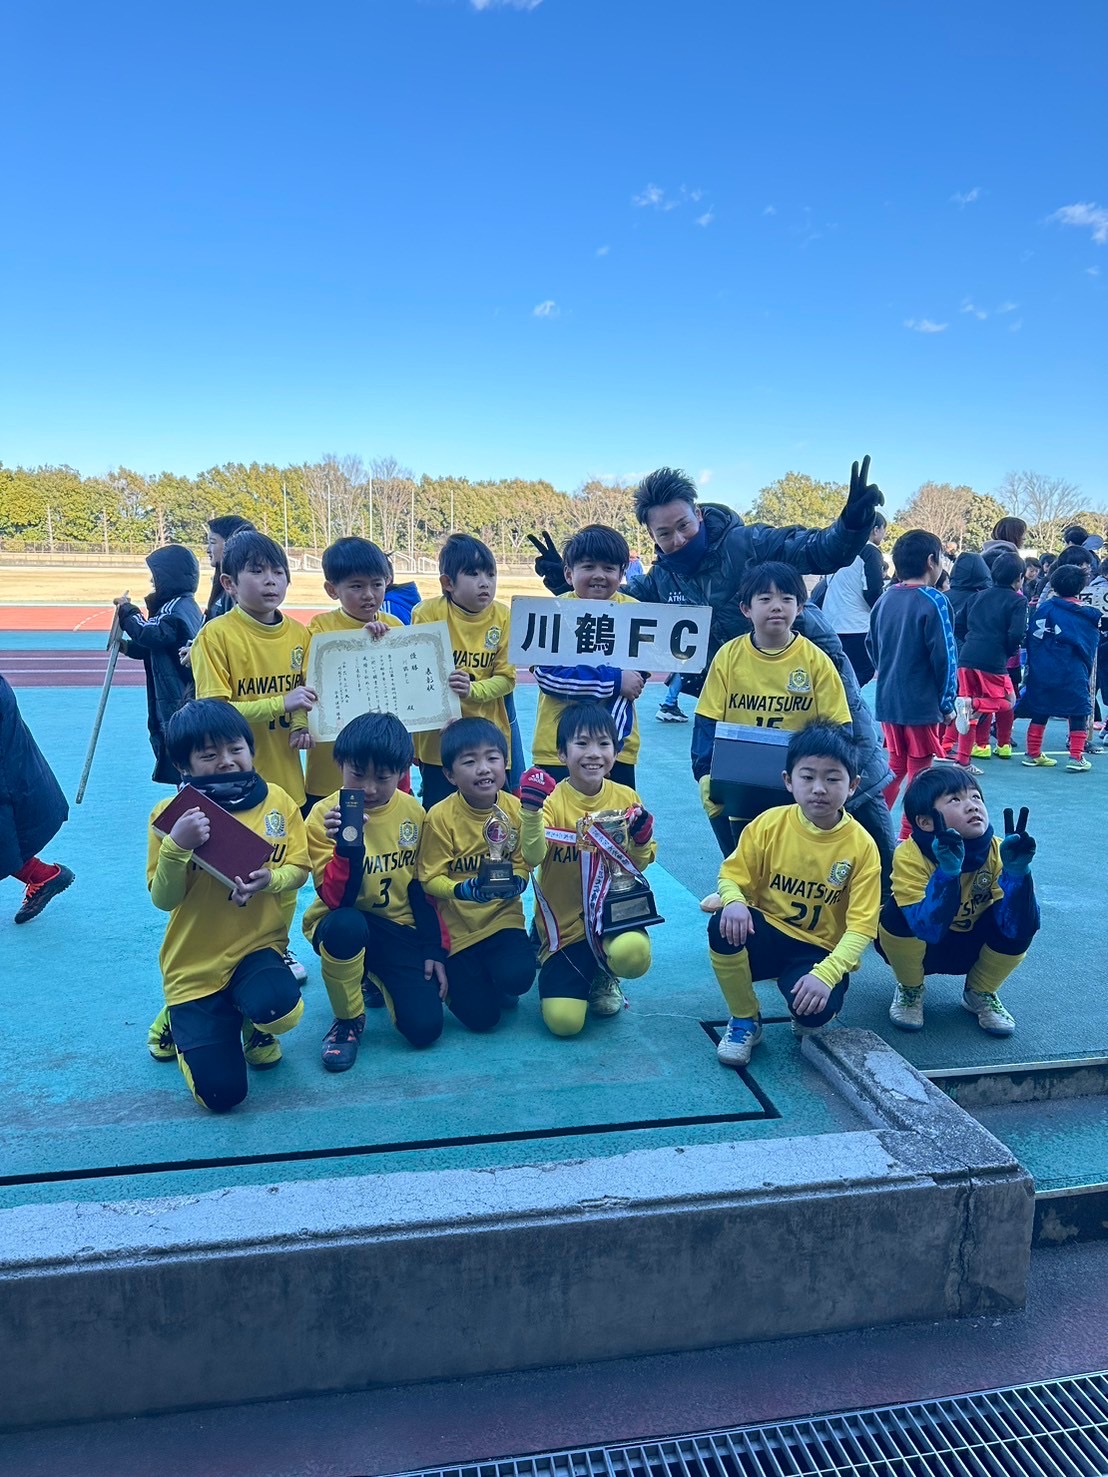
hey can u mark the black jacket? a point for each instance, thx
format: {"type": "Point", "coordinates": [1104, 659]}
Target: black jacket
{"type": "Point", "coordinates": [172, 621]}
{"type": "Point", "coordinates": [32, 806]}
{"type": "Point", "coordinates": [990, 629]}
{"type": "Point", "coordinates": [968, 578]}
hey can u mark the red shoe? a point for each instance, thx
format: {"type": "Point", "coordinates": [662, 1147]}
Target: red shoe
{"type": "Point", "coordinates": [38, 894]}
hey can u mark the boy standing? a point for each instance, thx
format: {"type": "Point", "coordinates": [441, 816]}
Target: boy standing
{"type": "Point", "coordinates": [911, 643]}
{"type": "Point", "coordinates": [369, 903]}
{"type": "Point", "coordinates": [991, 628]}
{"type": "Point", "coordinates": [491, 962]}
{"type": "Point", "coordinates": [1061, 658]}
{"type": "Point", "coordinates": [356, 574]}
{"type": "Point", "coordinates": [227, 989]}
{"type": "Point", "coordinates": [596, 561]}
{"type": "Point", "coordinates": [478, 626]}
{"type": "Point", "coordinates": [963, 902]}
{"type": "Point", "coordinates": [579, 968]}
{"type": "Point", "coordinates": [801, 894]}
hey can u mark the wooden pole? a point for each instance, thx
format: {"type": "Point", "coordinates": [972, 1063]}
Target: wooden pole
{"type": "Point", "coordinates": [114, 643]}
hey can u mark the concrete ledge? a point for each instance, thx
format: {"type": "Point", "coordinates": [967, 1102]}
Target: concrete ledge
{"type": "Point", "coordinates": [326, 1285]}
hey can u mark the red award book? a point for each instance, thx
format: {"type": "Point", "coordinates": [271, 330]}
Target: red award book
{"type": "Point", "coordinates": [232, 850]}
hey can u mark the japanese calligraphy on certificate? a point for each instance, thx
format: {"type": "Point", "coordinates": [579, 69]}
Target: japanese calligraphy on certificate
{"type": "Point", "coordinates": [598, 633]}
{"type": "Point", "coordinates": [404, 673]}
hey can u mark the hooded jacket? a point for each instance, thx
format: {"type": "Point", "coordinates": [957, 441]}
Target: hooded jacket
{"type": "Point", "coordinates": [173, 619]}
{"type": "Point", "coordinates": [968, 578]}
{"type": "Point", "coordinates": [32, 806]}
{"type": "Point", "coordinates": [997, 546]}
{"type": "Point", "coordinates": [1062, 641]}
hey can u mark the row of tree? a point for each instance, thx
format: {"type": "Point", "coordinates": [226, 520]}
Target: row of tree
{"type": "Point", "coordinates": [307, 506]}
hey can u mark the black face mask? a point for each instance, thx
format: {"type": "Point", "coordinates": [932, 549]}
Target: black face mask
{"type": "Point", "coordinates": [236, 791]}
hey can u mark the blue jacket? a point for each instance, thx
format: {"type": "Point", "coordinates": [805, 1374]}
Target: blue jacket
{"type": "Point", "coordinates": [1062, 641]}
{"type": "Point", "coordinates": [911, 643]}
{"type": "Point", "coordinates": [32, 806]}
{"type": "Point", "coordinates": [401, 600]}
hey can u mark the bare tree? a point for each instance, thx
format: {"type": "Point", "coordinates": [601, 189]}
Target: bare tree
{"type": "Point", "coordinates": [940, 508]}
{"type": "Point", "coordinates": [392, 487]}
{"type": "Point", "coordinates": [337, 489]}
{"type": "Point", "coordinates": [1046, 504]}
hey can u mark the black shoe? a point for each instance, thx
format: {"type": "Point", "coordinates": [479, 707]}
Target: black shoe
{"type": "Point", "coordinates": [340, 1045]}
{"type": "Point", "coordinates": [372, 998]}
{"type": "Point", "coordinates": [39, 894]}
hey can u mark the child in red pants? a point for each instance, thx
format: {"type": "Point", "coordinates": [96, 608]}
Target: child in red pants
{"type": "Point", "coordinates": [992, 625]}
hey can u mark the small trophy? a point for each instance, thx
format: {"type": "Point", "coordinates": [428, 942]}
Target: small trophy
{"type": "Point", "coordinates": [630, 903]}
{"type": "Point", "coordinates": [495, 876]}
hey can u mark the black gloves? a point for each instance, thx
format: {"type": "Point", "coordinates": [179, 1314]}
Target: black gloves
{"type": "Point", "coordinates": [863, 500]}
{"type": "Point", "coordinates": [1017, 850]}
{"type": "Point", "coordinates": [549, 566]}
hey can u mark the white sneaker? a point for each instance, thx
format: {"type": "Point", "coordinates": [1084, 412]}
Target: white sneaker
{"type": "Point", "coordinates": [292, 963]}
{"type": "Point", "coordinates": [740, 1037]}
{"type": "Point", "coordinates": [606, 998]}
{"type": "Point", "coordinates": [906, 1011]}
{"type": "Point", "coordinates": [991, 1015]}
{"type": "Point", "coordinates": [963, 714]}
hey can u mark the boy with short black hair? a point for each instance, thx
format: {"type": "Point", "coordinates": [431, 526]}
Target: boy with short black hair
{"type": "Point", "coordinates": [491, 961]}
{"type": "Point", "coordinates": [991, 627]}
{"type": "Point", "coordinates": [911, 643]}
{"type": "Point", "coordinates": [369, 902]}
{"type": "Point", "coordinates": [963, 901]}
{"type": "Point", "coordinates": [356, 574]}
{"type": "Point", "coordinates": [1062, 647]}
{"type": "Point", "coordinates": [478, 624]}
{"type": "Point", "coordinates": [580, 970]}
{"type": "Point", "coordinates": [596, 561]}
{"type": "Point", "coordinates": [228, 990]}
{"type": "Point", "coordinates": [801, 894]}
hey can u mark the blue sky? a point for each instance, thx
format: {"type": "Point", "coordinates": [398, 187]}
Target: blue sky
{"type": "Point", "coordinates": [560, 239]}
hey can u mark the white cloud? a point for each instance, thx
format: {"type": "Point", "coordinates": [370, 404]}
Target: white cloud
{"type": "Point", "coordinates": [703, 477]}
{"type": "Point", "coordinates": [770, 210]}
{"type": "Point", "coordinates": [966, 197]}
{"type": "Point", "coordinates": [1085, 214]}
{"type": "Point", "coordinates": [1092, 271]}
{"type": "Point", "coordinates": [925, 325]}
{"type": "Point", "coordinates": [603, 250]}
{"type": "Point", "coordinates": [505, 4]}
{"type": "Point", "coordinates": [546, 309]}
{"type": "Point", "coordinates": [968, 307]}
{"type": "Point", "coordinates": [1008, 307]}
{"type": "Point", "coordinates": [706, 219]}
{"type": "Point", "coordinates": [652, 195]}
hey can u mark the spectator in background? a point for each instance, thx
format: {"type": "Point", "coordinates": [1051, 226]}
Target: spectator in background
{"type": "Point", "coordinates": [848, 597]}
{"type": "Point", "coordinates": [1008, 537]}
{"type": "Point", "coordinates": [1032, 574]}
{"type": "Point", "coordinates": [400, 600]}
{"type": "Point", "coordinates": [968, 578]}
{"type": "Point", "coordinates": [220, 530]}
{"type": "Point", "coordinates": [635, 567]}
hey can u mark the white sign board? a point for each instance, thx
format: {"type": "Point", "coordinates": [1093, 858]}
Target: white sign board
{"type": "Point", "coordinates": [603, 633]}
{"type": "Point", "coordinates": [405, 673]}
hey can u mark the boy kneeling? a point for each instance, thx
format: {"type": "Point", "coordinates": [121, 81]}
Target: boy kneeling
{"type": "Point", "coordinates": [491, 960]}
{"type": "Point", "coordinates": [227, 987]}
{"type": "Point", "coordinates": [963, 902]}
{"type": "Point", "coordinates": [580, 968]}
{"type": "Point", "coordinates": [801, 894]}
{"type": "Point", "coordinates": [369, 898]}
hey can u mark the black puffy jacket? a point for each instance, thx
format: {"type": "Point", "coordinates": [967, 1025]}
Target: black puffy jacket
{"type": "Point", "coordinates": [32, 806]}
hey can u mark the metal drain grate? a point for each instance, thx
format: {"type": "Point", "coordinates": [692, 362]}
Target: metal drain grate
{"type": "Point", "coordinates": [1056, 1429]}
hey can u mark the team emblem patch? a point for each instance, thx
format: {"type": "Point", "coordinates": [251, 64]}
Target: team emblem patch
{"type": "Point", "coordinates": [982, 885]}
{"type": "Point", "coordinates": [840, 874]}
{"type": "Point", "coordinates": [408, 833]}
{"type": "Point", "coordinates": [799, 681]}
{"type": "Point", "coordinates": [296, 660]}
{"type": "Point", "coordinates": [492, 637]}
{"type": "Point", "coordinates": [274, 823]}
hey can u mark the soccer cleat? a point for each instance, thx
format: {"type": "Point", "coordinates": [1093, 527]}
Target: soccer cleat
{"type": "Point", "coordinates": [1003, 751]}
{"type": "Point", "coordinates": [1039, 761]}
{"type": "Point", "coordinates": [372, 998]}
{"type": "Point", "coordinates": [906, 1011]}
{"type": "Point", "coordinates": [991, 1015]}
{"type": "Point", "coordinates": [340, 1045]}
{"type": "Point", "coordinates": [671, 713]}
{"type": "Point", "coordinates": [740, 1036]}
{"type": "Point", "coordinates": [292, 963]}
{"type": "Point", "coordinates": [38, 894]}
{"type": "Point", "coordinates": [981, 751]}
{"type": "Point", "coordinates": [159, 1038]}
{"type": "Point", "coordinates": [1078, 766]}
{"type": "Point", "coordinates": [605, 997]}
{"type": "Point", "coordinates": [260, 1049]}
{"type": "Point", "coordinates": [963, 714]}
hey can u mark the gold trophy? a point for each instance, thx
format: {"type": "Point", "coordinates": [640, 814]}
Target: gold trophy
{"type": "Point", "coordinates": [630, 903]}
{"type": "Point", "coordinates": [495, 876]}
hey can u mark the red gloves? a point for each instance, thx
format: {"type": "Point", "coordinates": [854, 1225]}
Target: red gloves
{"type": "Point", "coordinates": [535, 788]}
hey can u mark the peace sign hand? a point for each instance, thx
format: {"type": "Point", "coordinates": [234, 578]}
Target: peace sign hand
{"type": "Point", "coordinates": [864, 499]}
{"type": "Point", "coordinates": [549, 566]}
{"type": "Point", "coordinates": [1017, 850]}
{"type": "Point", "coordinates": [948, 848]}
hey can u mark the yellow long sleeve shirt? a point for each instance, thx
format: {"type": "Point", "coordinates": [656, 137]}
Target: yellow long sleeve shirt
{"type": "Point", "coordinates": [253, 666]}
{"type": "Point", "coordinates": [773, 689]}
{"type": "Point", "coordinates": [559, 874]}
{"type": "Point", "coordinates": [978, 890]}
{"type": "Point", "coordinates": [576, 684]}
{"type": "Point", "coordinates": [453, 847]}
{"type": "Point", "coordinates": [480, 646]}
{"type": "Point", "coordinates": [323, 774]}
{"type": "Point", "coordinates": [392, 835]}
{"type": "Point", "coordinates": [207, 935]}
{"type": "Point", "coordinates": [819, 887]}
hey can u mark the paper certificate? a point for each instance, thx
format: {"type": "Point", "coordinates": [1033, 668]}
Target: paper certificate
{"type": "Point", "coordinates": [404, 673]}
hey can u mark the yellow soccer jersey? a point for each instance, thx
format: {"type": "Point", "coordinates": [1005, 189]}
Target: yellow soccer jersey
{"type": "Point", "coordinates": [207, 935]}
{"type": "Point", "coordinates": [253, 666]}
{"type": "Point", "coordinates": [819, 887]}
{"type": "Point", "coordinates": [453, 846]}
{"type": "Point", "coordinates": [480, 645]}
{"type": "Point", "coordinates": [773, 689]}
{"type": "Point", "coordinates": [544, 745]}
{"type": "Point", "coordinates": [980, 889]}
{"type": "Point", "coordinates": [392, 840]}
{"type": "Point", "coordinates": [559, 876]}
{"type": "Point", "coordinates": [323, 774]}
